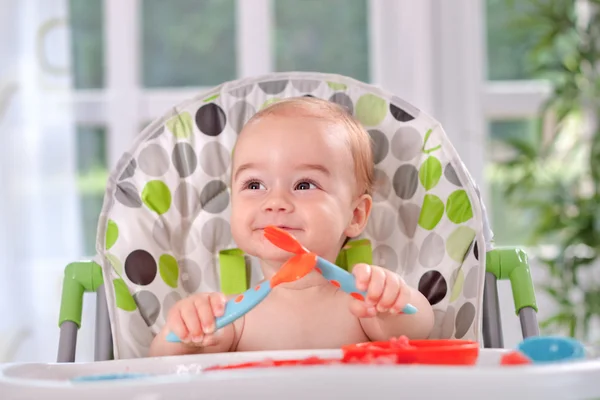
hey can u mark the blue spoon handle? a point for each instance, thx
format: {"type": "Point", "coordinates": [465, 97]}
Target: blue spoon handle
{"type": "Point", "coordinates": [346, 281]}
{"type": "Point", "coordinates": [236, 307]}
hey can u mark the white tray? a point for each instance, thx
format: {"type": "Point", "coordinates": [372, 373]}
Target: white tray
{"type": "Point", "coordinates": [179, 378]}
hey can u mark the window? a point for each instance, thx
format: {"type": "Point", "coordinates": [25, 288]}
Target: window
{"type": "Point", "coordinates": [188, 42]}
{"type": "Point", "coordinates": [329, 36]}
{"type": "Point", "coordinates": [513, 112]}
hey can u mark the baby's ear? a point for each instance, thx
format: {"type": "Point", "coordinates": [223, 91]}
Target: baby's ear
{"type": "Point", "coordinates": [360, 216]}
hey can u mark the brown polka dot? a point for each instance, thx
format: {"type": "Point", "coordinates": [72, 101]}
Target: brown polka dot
{"type": "Point", "coordinates": [140, 267]}
{"type": "Point", "coordinates": [433, 286]}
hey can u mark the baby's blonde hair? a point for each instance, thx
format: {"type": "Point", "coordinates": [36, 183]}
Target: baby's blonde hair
{"type": "Point", "coordinates": [358, 138]}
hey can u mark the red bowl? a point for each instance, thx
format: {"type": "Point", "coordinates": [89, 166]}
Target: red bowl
{"type": "Point", "coordinates": [435, 352]}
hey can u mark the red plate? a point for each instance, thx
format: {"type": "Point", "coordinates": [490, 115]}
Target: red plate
{"type": "Point", "coordinates": [437, 352]}
{"type": "Point", "coordinates": [394, 351]}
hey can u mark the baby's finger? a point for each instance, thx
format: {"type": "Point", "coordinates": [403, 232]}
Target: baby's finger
{"type": "Point", "coordinates": [191, 321]}
{"type": "Point", "coordinates": [217, 303]}
{"type": "Point", "coordinates": [390, 293]}
{"type": "Point", "coordinates": [206, 315]}
{"type": "Point", "coordinates": [177, 326]}
{"type": "Point", "coordinates": [376, 286]}
{"type": "Point", "coordinates": [403, 298]}
{"type": "Point", "coordinates": [360, 309]}
{"type": "Point", "coordinates": [362, 275]}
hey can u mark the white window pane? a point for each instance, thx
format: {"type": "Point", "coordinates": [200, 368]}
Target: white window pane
{"type": "Point", "coordinates": [92, 171]}
{"type": "Point", "coordinates": [507, 47]}
{"type": "Point", "coordinates": [512, 225]}
{"type": "Point", "coordinates": [87, 41]}
{"type": "Point", "coordinates": [188, 42]}
{"type": "Point", "coordinates": [324, 36]}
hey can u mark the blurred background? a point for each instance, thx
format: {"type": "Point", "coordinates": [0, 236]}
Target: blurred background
{"type": "Point", "coordinates": [515, 85]}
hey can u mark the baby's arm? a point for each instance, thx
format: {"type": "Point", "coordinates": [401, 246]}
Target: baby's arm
{"type": "Point", "coordinates": [387, 294]}
{"type": "Point", "coordinates": [193, 320]}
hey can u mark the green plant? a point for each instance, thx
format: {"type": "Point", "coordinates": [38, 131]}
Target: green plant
{"type": "Point", "coordinates": [554, 174]}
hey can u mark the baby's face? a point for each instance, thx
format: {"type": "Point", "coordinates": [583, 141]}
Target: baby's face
{"type": "Point", "coordinates": [296, 173]}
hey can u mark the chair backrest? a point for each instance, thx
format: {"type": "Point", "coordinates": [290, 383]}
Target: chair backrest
{"type": "Point", "coordinates": [165, 218]}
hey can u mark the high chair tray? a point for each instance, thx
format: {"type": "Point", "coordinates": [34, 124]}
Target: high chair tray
{"type": "Point", "coordinates": [182, 378]}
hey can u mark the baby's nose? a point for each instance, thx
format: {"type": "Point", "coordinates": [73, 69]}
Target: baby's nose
{"type": "Point", "coordinates": [278, 202]}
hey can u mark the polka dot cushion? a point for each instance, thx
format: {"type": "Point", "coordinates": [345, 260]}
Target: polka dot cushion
{"type": "Point", "coordinates": [167, 207]}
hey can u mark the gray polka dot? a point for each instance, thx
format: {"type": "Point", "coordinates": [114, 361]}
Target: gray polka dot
{"type": "Point", "coordinates": [448, 324]}
{"type": "Point", "coordinates": [382, 186]}
{"type": "Point", "coordinates": [183, 239]}
{"type": "Point", "coordinates": [154, 160]}
{"type": "Point", "coordinates": [381, 223]}
{"type": "Point", "coordinates": [210, 280]}
{"type": "Point", "coordinates": [380, 145]}
{"type": "Point", "coordinates": [187, 200]}
{"type": "Point", "coordinates": [450, 174]}
{"type": "Point", "coordinates": [161, 234]}
{"type": "Point", "coordinates": [386, 257]}
{"type": "Point", "coordinates": [343, 100]}
{"type": "Point", "coordinates": [214, 159]}
{"type": "Point", "coordinates": [169, 302]}
{"type": "Point", "coordinates": [129, 171]}
{"type": "Point", "coordinates": [408, 217]}
{"type": "Point", "coordinates": [148, 305]}
{"type": "Point", "coordinates": [464, 319]}
{"type": "Point", "coordinates": [127, 195]}
{"type": "Point", "coordinates": [239, 114]}
{"type": "Point", "coordinates": [191, 275]}
{"type": "Point", "coordinates": [408, 258]}
{"type": "Point", "coordinates": [214, 197]}
{"type": "Point", "coordinates": [184, 159]}
{"type": "Point", "coordinates": [406, 143]}
{"type": "Point", "coordinates": [406, 181]}
{"type": "Point", "coordinates": [241, 91]}
{"type": "Point", "coordinates": [273, 87]}
{"type": "Point", "coordinates": [140, 332]}
{"type": "Point", "coordinates": [305, 85]}
{"type": "Point", "coordinates": [216, 235]}
{"type": "Point", "coordinates": [432, 251]}
{"type": "Point", "coordinates": [471, 285]}
{"type": "Point", "coordinates": [438, 320]}
{"type": "Point", "coordinates": [159, 131]}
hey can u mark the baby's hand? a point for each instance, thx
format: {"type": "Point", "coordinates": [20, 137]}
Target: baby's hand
{"type": "Point", "coordinates": [386, 291]}
{"type": "Point", "coordinates": [193, 318]}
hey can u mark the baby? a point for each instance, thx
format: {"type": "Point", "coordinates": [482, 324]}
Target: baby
{"type": "Point", "coordinates": [304, 165]}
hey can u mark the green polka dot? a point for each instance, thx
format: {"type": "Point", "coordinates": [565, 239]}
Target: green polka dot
{"type": "Point", "coordinates": [169, 270]}
{"type": "Point", "coordinates": [430, 173]}
{"type": "Point", "coordinates": [458, 207]}
{"type": "Point", "coordinates": [157, 196]}
{"type": "Point", "coordinates": [181, 125]}
{"type": "Point", "coordinates": [337, 86]}
{"type": "Point", "coordinates": [116, 264]}
{"type": "Point", "coordinates": [431, 212]}
{"type": "Point", "coordinates": [458, 242]}
{"type": "Point", "coordinates": [458, 285]}
{"type": "Point", "coordinates": [269, 102]}
{"type": "Point", "coordinates": [211, 98]}
{"type": "Point", "coordinates": [124, 299]}
{"type": "Point", "coordinates": [370, 109]}
{"type": "Point", "coordinates": [112, 233]}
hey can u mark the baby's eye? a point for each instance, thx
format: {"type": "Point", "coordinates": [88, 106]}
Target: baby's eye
{"type": "Point", "coordinates": [254, 185]}
{"type": "Point", "coordinates": [305, 186]}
